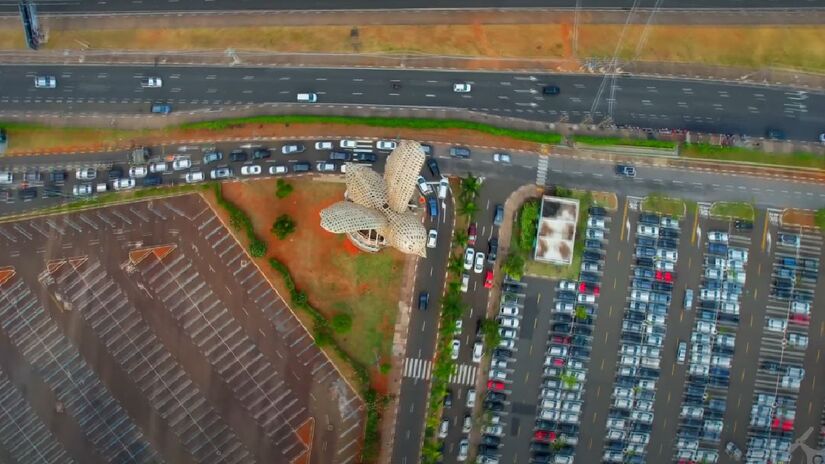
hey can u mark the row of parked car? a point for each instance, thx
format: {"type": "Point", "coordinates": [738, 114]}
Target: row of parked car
{"type": "Point", "coordinates": [630, 417]}
{"type": "Point", "coordinates": [712, 345]}
{"type": "Point", "coordinates": [782, 350]}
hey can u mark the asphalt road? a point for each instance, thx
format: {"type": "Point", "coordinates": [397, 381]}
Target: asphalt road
{"type": "Point", "coordinates": [703, 106]}
{"type": "Point", "coordinates": [116, 6]}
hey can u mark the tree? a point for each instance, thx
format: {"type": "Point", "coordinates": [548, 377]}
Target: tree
{"type": "Point", "coordinates": [568, 379]}
{"type": "Point", "coordinates": [492, 337]}
{"type": "Point", "coordinates": [283, 226]}
{"type": "Point", "coordinates": [470, 186]}
{"type": "Point", "coordinates": [819, 220]}
{"type": "Point", "coordinates": [341, 323]}
{"type": "Point", "coordinates": [461, 238]}
{"type": "Point", "coordinates": [514, 265]}
{"type": "Point", "coordinates": [581, 313]}
{"type": "Point", "coordinates": [257, 248]}
{"type": "Point", "coordinates": [468, 209]}
{"type": "Point", "coordinates": [284, 188]}
{"type": "Point", "coordinates": [455, 264]}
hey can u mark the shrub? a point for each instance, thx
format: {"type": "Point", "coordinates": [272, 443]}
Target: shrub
{"type": "Point", "coordinates": [283, 226]}
{"type": "Point", "coordinates": [385, 368]}
{"type": "Point", "coordinates": [341, 323]}
{"type": "Point", "coordinates": [257, 247]}
{"type": "Point", "coordinates": [283, 189]}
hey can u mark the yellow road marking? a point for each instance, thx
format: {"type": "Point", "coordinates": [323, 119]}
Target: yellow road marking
{"type": "Point", "coordinates": [624, 218]}
{"type": "Point", "coordinates": [765, 232]}
{"type": "Point", "coordinates": [695, 224]}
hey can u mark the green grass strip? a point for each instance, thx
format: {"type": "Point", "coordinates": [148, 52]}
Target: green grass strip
{"type": "Point", "coordinates": [658, 203]}
{"type": "Point", "coordinates": [733, 210]}
{"type": "Point", "coordinates": [401, 123]}
{"type": "Point", "coordinates": [716, 153]}
{"type": "Point", "coordinates": [603, 141]}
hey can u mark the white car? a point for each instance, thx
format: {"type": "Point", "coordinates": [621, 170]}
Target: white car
{"type": "Point", "coordinates": [718, 236]}
{"type": "Point", "coordinates": [471, 397]}
{"type": "Point", "coordinates": [507, 333]}
{"type": "Point", "coordinates": [502, 158]}
{"type": "Point", "coordinates": [445, 427]}
{"type": "Point", "coordinates": [468, 259]}
{"type": "Point", "coordinates": [386, 145]}
{"type": "Point", "coordinates": [507, 343]}
{"type": "Point", "coordinates": [509, 311]}
{"type": "Point", "coordinates": [647, 231]}
{"type": "Point", "coordinates": [590, 266]}
{"type": "Point", "coordinates": [82, 190]}
{"type": "Point", "coordinates": [665, 266]}
{"type": "Point", "coordinates": [432, 238]}
{"type": "Point", "coordinates": [586, 298]}
{"type": "Point", "coordinates": [348, 144]}
{"type": "Point", "coordinates": [465, 282]}
{"type": "Point", "coordinates": [423, 186]}
{"type": "Point", "coordinates": [221, 173]}
{"type": "Point", "coordinates": [509, 322]}
{"type": "Point", "coordinates": [463, 449]}
{"type": "Point", "coordinates": [250, 170]}
{"type": "Point", "coordinates": [739, 254]}
{"type": "Point", "coordinates": [45, 82]}
{"type": "Point", "coordinates": [193, 177]}
{"type": "Point", "coordinates": [671, 255]}
{"type": "Point", "coordinates": [151, 83]}
{"type": "Point", "coordinates": [706, 327]}
{"type": "Point", "coordinates": [179, 164]}
{"type": "Point", "coordinates": [158, 167]}
{"type": "Point", "coordinates": [478, 351]}
{"type": "Point", "coordinates": [123, 184]}
{"type": "Point", "coordinates": [462, 87]}
{"type": "Point", "coordinates": [714, 273]}
{"type": "Point", "coordinates": [597, 234]}
{"type": "Point", "coordinates": [325, 145]}
{"type": "Point", "coordinates": [566, 286]}
{"type": "Point", "coordinates": [594, 222]}
{"type": "Point", "coordinates": [479, 263]}
{"type": "Point", "coordinates": [278, 169]}
{"type": "Point", "coordinates": [455, 346]}
{"type": "Point", "coordinates": [86, 174]}
{"type": "Point", "coordinates": [138, 172]}
{"type": "Point", "coordinates": [776, 325]}
{"type": "Point", "coordinates": [800, 307]}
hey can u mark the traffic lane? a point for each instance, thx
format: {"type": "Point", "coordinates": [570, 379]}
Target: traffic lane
{"type": "Point", "coordinates": [656, 102]}
{"type": "Point", "coordinates": [671, 383]}
{"type": "Point", "coordinates": [749, 335]}
{"type": "Point", "coordinates": [409, 421]}
{"type": "Point", "coordinates": [606, 335]}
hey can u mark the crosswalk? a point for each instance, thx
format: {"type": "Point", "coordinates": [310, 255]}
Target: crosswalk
{"type": "Point", "coordinates": [416, 368]}
{"type": "Point", "coordinates": [541, 171]}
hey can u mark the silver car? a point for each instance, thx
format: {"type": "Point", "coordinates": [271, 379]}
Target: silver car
{"type": "Point", "coordinates": [221, 173]}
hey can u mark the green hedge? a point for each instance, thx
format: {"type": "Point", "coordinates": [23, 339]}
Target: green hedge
{"type": "Point", "coordinates": [405, 123]}
{"type": "Point", "coordinates": [238, 219]}
{"type": "Point", "coordinates": [716, 153]}
{"type": "Point", "coordinates": [647, 143]}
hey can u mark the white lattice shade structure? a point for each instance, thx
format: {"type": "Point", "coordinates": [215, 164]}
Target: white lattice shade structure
{"type": "Point", "coordinates": [376, 212]}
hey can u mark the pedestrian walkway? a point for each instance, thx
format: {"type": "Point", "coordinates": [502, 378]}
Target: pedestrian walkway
{"type": "Point", "coordinates": [541, 171]}
{"type": "Point", "coordinates": [415, 368]}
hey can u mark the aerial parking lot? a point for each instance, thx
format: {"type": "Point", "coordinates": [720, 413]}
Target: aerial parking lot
{"type": "Point", "coordinates": [686, 338]}
{"type": "Point", "coordinates": [143, 333]}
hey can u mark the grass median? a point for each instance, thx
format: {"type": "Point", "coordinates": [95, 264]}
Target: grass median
{"type": "Point", "coordinates": [624, 142]}
{"type": "Point", "coordinates": [733, 210]}
{"type": "Point", "coordinates": [658, 203]}
{"type": "Point", "coordinates": [718, 153]}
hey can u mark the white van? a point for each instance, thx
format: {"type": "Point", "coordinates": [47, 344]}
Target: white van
{"type": "Point", "coordinates": [308, 97]}
{"type": "Point", "coordinates": [101, 187]}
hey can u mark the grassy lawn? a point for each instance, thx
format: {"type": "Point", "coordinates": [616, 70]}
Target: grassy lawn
{"type": "Point", "coordinates": [733, 210]}
{"type": "Point", "coordinates": [554, 272]}
{"type": "Point", "coordinates": [31, 137]}
{"type": "Point", "coordinates": [337, 277]}
{"type": "Point", "coordinates": [797, 47]}
{"type": "Point", "coordinates": [716, 153]}
{"type": "Point", "coordinates": [607, 200]}
{"type": "Point", "coordinates": [607, 141]}
{"type": "Point", "coordinates": [657, 203]}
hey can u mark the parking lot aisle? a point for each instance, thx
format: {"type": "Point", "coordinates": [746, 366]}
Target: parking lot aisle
{"type": "Point", "coordinates": [520, 409]}
{"type": "Point", "coordinates": [43, 401]}
{"type": "Point", "coordinates": [748, 336]}
{"type": "Point", "coordinates": [602, 366]}
{"type": "Point", "coordinates": [810, 415]}
{"type": "Point", "coordinates": [679, 324]}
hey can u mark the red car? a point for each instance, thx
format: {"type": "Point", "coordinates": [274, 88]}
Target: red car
{"type": "Point", "coordinates": [584, 287]}
{"type": "Point", "coordinates": [803, 319]}
{"type": "Point", "coordinates": [488, 279]}
{"type": "Point", "coordinates": [558, 362]}
{"type": "Point", "coordinates": [495, 385]}
{"type": "Point", "coordinates": [561, 339]}
{"type": "Point", "coordinates": [472, 234]}
{"type": "Point", "coordinates": [664, 276]}
{"type": "Point", "coordinates": [544, 435]}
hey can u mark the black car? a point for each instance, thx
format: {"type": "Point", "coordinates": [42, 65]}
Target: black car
{"type": "Point", "coordinates": [743, 225]}
{"type": "Point", "coordinates": [592, 255]}
{"type": "Point", "coordinates": [580, 329]}
{"type": "Point", "coordinates": [560, 327]}
{"type": "Point", "coordinates": [662, 286]}
{"type": "Point", "coordinates": [668, 233]}
{"type": "Point", "coordinates": [365, 157]}
{"type": "Point", "coordinates": [52, 191]}
{"type": "Point", "coordinates": [775, 134]}
{"type": "Point", "coordinates": [492, 249]}
{"type": "Point", "coordinates": [634, 316]}
{"type": "Point", "coordinates": [238, 156]}
{"type": "Point", "coordinates": [494, 406]}
{"type": "Point", "coordinates": [645, 252]}
{"type": "Point", "coordinates": [593, 244]}
{"type": "Point", "coordinates": [496, 396]}
{"type": "Point", "coordinates": [339, 156]}
{"type": "Point", "coordinates": [644, 262]}
{"type": "Point", "coordinates": [301, 166]}
{"type": "Point", "coordinates": [589, 277]}
{"type": "Point", "coordinates": [550, 90]}
{"type": "Point", "coordinates": [642, 284]}
{"type": "Point", "coordinates": [498, 215]}
{"type": "Point", "coordinates": [423, 300]}
{"type": "Point", "coordinates": [491, 440]}
{"type": "Point", "coordinates": [597, 211]}
{"type": "Point", "coordinates": [561, 317]}
{"type": "Point", "coordinates": [539, 446]}
{"type": "Point", "coordinates": [566, 296]}
{"type": "Point", "coordinates": [646, 242]}
{"type": "Point", "coordinates": [58, 177]}
{"type": "Point", "coordinates": [152, 180]}
{"type": "Point", "coordinates": [460, 152]}
{"type": "Point", "coordinates": [668, 243]}
{"type": "Point", "coordinates": [29, 193]}
{"type": "Point", "coordinates": [643, 273]}
{"type": "Point", "coordinates": [502, 353]}
{"type": "Point", "coordinates": [115, 173]}
{"type": "Point", "coordinates": [432, 165]}
{"type": "Point", "coordinates": [448, 399]}
{"type": "Point", "coordinates": [261, 153]}
{"type": "Point", "coordinates": [649, 219]}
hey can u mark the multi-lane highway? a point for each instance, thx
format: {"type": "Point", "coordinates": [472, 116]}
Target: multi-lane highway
{"type": "Point", "coordinates": [704, 106]}
{"type": "Point", "coordinates": [127, 6]}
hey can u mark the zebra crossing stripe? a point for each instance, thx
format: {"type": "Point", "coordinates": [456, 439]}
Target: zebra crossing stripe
{"type": "Point", "coordinates": [541, 171]}
{"type": "Point", "coordinates": [416, 368]}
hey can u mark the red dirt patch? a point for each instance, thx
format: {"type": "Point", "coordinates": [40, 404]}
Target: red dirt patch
{"type": "Point", "coordinates": [798, 218]}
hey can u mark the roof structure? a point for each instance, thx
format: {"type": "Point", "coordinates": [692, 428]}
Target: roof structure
{"type": "Point", "coordinates": [377, 209]}
{"type": "Point", "coordinates": [556, 230]}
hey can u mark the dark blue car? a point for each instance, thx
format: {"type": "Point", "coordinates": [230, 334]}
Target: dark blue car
{"type": "Point", "coordinates": [432, 205]}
